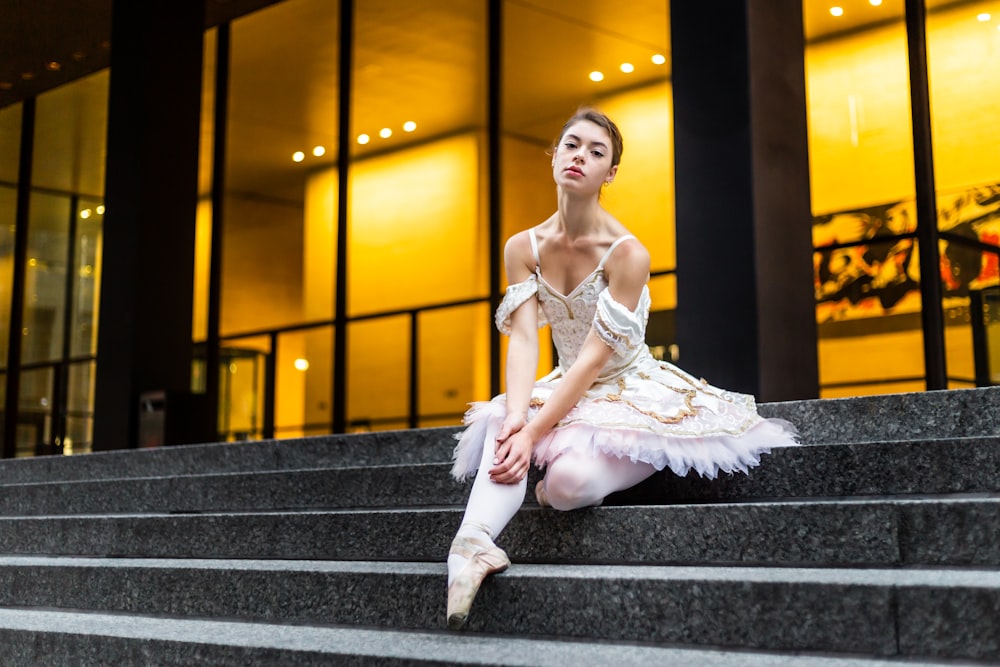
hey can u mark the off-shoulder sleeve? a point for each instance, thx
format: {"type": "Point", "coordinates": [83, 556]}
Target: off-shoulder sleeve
{"type": "Point", "coordinates": [514, 298]}
{"type": "Point", "coordinates": [617, 326]}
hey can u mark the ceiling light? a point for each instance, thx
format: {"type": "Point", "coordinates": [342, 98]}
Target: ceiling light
{"type": "Point", "coordinates": [874, 3]}
{"type": "Point", "coordinates": [385, 133]}
{"type": "Point", "coordinates": [659, 59]}
{"type": "Point", "coordinates": [596, 76]}
{"type": "Point", "coordinates": [409, 126]}
{"type": "Point", "coordinates": [628, 68]}
{"type": "Point", "coordinates": [6, 85]}
{"type": "Point", "coordinates": [100, 210]}
{"type": "Point", "coordinates": [27, 76]}
{"type": "Point", "coordinates": [319, 151]}
{"type": "Point", "coordinates": [85, 213]}
{"type": "Point", "coordinates": [363, 139]}
{"type": "Point", "coordinates": [837, 11]}
{"type": "Point", "coordinates": [79, 55]}
{"type": "Point", "coordinates": [984, 17]}
{"type": "Point", "coordinates": [298, 156]}
{"type": "Point", "coordinates": [53, 66]}
{"type": "Point", "coordinates": [301, 364]}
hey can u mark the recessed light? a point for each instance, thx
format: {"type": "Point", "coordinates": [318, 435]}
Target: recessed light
{"type": "Point", "coordinates": [875, 3]}
{"type": "Point", "coordinates": [659, 59]}
{"type": "Point", "coordinates": [385, 133]}
{"type": "Point", "coordinates": [363, 139]}
{"type": "Point", "coordinates": [596, 76]}
{"type": "Point", "coordinates": [27, 76]}
{"type": "Point", "coordinates": [984, 17]}
{"type": "Point", "coordinates": [628, 68]}
{"type": "Point", "coordinates": [6, 85]}
{"type": "Point", "coordinates": [298, 156]}
{"type": "Point", "coordinates": [53, 66]}
{"type": "Point", "coordinates": [409, 126]}
{"type": "Point", "coordinates": [837, 11]}
{"type": "Point", "coordinates": [319, 151]}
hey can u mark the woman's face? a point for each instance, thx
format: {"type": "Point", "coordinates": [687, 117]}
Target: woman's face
{"type": "Point", "coordinates": [582, 160]}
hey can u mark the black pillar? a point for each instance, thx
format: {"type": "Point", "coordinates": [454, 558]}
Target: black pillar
{"type": "Point", "coordinates": [144, 339]}
{"type": "Point", "coordinates": [745, 303]}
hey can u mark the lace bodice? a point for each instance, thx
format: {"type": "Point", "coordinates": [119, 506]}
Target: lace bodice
{"type": "Point", "coordinates": [572, 315]}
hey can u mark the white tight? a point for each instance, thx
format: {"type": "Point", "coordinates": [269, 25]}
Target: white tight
{"type": "Point", "coordinates": [573, 480]}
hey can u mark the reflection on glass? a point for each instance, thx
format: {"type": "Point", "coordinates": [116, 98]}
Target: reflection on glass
{"type": "Point", "coordinates": [45, 278]}
{"type": "Point", "coordinates": [80, 408]}
{"type": "Point", "coordinates": [8, 211]}
{"type": "Point", "coordinates": [304, 383]}
{"type": "Point", "coordinates": [35, 408]}
{"type": "Point", "coordinates": [86, 277]}
{"type": "Point", "coordinates": [450, 368]}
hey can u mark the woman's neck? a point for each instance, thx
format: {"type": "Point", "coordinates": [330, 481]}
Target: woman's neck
{"type": "Point", "coordinates": [578, 216]}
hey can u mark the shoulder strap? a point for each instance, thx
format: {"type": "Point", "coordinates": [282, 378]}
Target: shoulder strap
{"type": "Point", "coordinates": [534, 248]}
{"type": "Point", "coordinates": [611, 249]}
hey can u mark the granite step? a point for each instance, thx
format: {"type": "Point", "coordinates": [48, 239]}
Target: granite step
{"type": "Point", "coordinates": [855, 532]}
{"type": "Point", "coordinates": [430, 445]}
{"type": "Point", "coordinates": [951, 414]}
{"type": "Point", "coordinates": [929, 613]}
{"type": "Point", "coordinates": [964, 465]}
{"type": "Point", "coordinates": [39, 637]}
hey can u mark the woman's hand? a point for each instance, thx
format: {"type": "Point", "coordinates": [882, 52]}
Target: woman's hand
{"type": "Point", "coordinates": [513, 453]}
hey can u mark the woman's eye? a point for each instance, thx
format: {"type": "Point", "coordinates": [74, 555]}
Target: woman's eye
{"type": "Point", "coordinates": [569, 144]}
{"type": "Point", "coordinates": [597, 153]}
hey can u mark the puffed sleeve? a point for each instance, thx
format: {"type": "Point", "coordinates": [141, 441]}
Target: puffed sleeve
{"type": "Point", "coordinates": [619, 328]}
{"type": "Point", "coordinates": [514, 298]}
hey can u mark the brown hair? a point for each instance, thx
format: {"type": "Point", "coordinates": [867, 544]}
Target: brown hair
{"type": "Point", "coordinates": [601, 120]}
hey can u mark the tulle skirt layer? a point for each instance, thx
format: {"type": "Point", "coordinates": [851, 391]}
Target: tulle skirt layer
{"type": "Point", "coordinates": [654, 413]}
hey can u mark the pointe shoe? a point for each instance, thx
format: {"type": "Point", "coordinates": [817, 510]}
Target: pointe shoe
{"type": "Point", "coordinates": [543, 500]}
{"type": "Point", "coordinates": [484, 560]}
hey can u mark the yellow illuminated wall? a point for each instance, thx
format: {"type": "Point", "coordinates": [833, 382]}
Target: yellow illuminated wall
{"type": "Point", "coordinates": [860, 146]}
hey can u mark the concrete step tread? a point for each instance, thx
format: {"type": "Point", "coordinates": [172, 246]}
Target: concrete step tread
{"type": "Point", "coordinates": [391, 646]}
{"type": "Point", "coordinates": [842, 533]}
{"type": "Point", "coordinates": [934, 577]}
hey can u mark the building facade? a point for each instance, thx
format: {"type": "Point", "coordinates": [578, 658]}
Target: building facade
{"type": "Point", "coordinates": [262, 219]}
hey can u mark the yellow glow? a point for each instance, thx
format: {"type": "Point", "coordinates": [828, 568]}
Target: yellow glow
{"type": "Point", "coordinates": [409, 126]}
{"type": "Point", "coordinates": [628, 68]}
{"type": "Point", "coordinates": [659, 59]}
{"type": "Point", "coordinates": [837, 11]}
{"type": "Point", "coordinates": [984, 17]}
{"type": "Point", "coordinates": [385, 133]}
{"type": "Point", "coordinates": [32, 262]}
{"type": "Point", "coordinates": [596, 76]}
{"type": "Point", "coordinates": [301, 364]}
{"type": "Point", "coordinates": [363, 139]}
{"type": "Point", "coordinates": [100, 210]}
{"type": "Point", "coordinates": [319, 151]}
{"type": "Point", "coordinates": [875, 3]}
{"type": "Point", "coordinates": [298, 156]}
{"type": "Point", "coordinates": [85, 213]}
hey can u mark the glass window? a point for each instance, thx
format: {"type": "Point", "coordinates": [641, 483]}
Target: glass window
{"type": "Point", "coordinates": [962, 41]}
{"type": "Point", "coordinates": [861, 176]}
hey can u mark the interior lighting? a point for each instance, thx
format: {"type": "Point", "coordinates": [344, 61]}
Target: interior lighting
{"type": "Point", "coordinates": [628, 68]}
{"type": "Point", "coordinates": [875, 3]}
{"type": "Point", "coordinates": [6, 85]}
{"type": "Point", "coordinates": [984, 17]}
{"type": "Point", "coordinates": [32, 262]}
{"type": "Point", "coordinates": [385, 133]}
{"type": "Point", "coordinates": [100, 210]}
{"type": "Point", "coordinates": [319, 151]}
{"type": "Point", "coordinates": [596, 76]}
{"type": "Point", "coordinates": [659, 59]}
{"type": "Point", "coordinates": [53, 66]}
{"type": "Point", "coordinates": [301, 364]}
{"type": "Point", "coordinates": [27, 76]}
{"type": "Point", "coordinates": [837, 11]}
{"type": "Point", "coordinates": [409, 126]}
{"type": "Point", "coordinates": [363, 139]}
{"type": "Point", "coordinates": [298, 156]}
{"type": "Point", "coordinates": [85, 213]}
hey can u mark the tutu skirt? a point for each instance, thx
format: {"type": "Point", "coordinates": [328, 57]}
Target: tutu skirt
{"type": "Point", "coordinates": [654, 412]}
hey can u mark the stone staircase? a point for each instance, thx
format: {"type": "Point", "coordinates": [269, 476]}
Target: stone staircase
{"type": "Point", "coordinates": [877, 544]}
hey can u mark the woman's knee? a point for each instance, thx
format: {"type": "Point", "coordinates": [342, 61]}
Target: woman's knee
{"type": "Point", "coordinates": [567, 487]}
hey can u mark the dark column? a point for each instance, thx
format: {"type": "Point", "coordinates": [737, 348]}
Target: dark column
{"type": "Point", "coordinates": [745, 304]}
{"type": "Point", "coordinates": [154, 105]}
